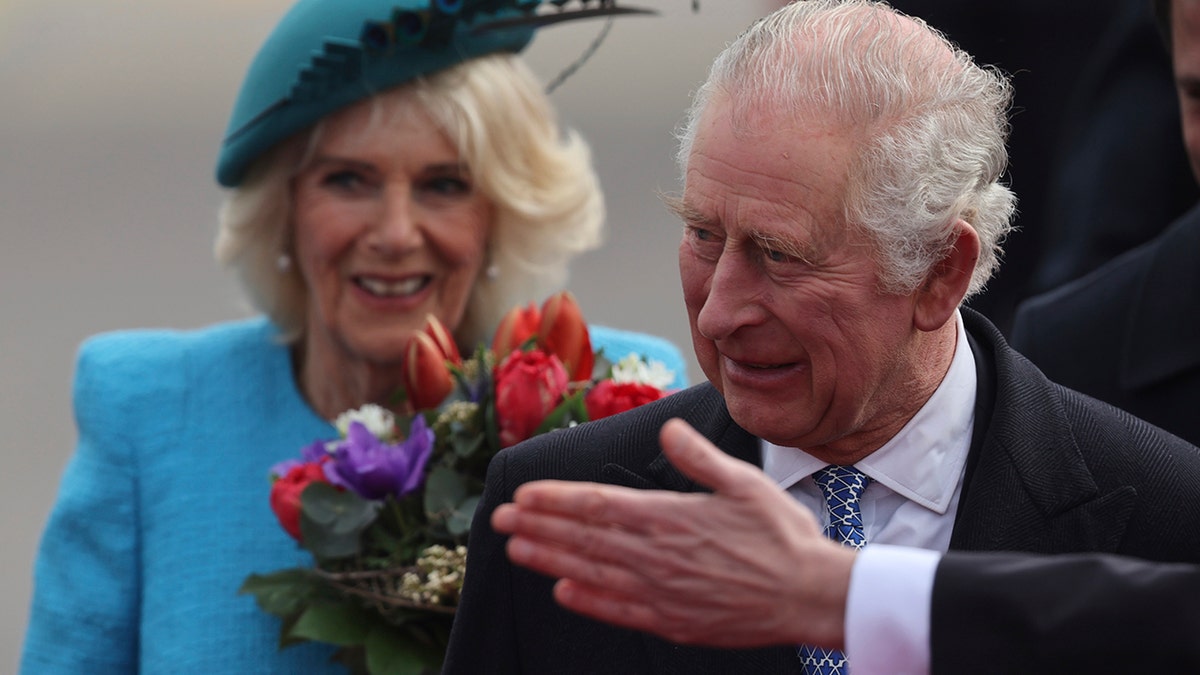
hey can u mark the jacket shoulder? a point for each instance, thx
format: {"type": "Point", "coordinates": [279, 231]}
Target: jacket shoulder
{"type": "Point", "coordinates": [129, 374]}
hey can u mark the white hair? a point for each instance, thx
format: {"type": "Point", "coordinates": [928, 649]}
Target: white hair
{"type": "Point", "coordinates": [930, 124]}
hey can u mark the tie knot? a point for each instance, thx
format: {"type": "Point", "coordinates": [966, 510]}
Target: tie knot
{"type": "Point", "coordinates": [841, 483]}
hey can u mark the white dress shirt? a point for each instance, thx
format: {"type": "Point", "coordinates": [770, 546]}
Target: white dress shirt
{"type": "Point", "coordinates": [916, 481]}
{"type": "Point", "coordinates": [888, 610]}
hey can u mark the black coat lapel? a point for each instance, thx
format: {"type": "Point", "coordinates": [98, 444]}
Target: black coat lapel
{"type": "Point", "coordinates": [1027, 486]}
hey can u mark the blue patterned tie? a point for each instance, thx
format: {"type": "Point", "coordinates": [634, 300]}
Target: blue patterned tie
{"type": "Point", "coordinates": [842, 487]}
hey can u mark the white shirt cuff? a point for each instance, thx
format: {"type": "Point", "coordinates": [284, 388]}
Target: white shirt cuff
{"type": "Point", "coordinates": [888, 609]}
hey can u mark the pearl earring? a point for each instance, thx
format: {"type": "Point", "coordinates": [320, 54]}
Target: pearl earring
{"type": "Point", "coordinates": [492, 272]}
{"type": "Point", "coordinates": [283, 262]}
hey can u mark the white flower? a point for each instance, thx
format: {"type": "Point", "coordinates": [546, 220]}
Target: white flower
{"type": "Point", "coordinates": [378, 420]}
{"type": "Point", "coordinates": [634, 368]}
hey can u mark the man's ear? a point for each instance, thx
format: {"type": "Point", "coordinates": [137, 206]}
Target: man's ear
{"type": "Point", "coordinates": [948, 280]}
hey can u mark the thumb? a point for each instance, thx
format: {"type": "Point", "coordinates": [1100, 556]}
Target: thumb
{"type": "Point", "coordinates": [697, 458]}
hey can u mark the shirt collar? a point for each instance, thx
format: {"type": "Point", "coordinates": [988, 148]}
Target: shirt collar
{"type": "Point", "coordinates": [923, 462]}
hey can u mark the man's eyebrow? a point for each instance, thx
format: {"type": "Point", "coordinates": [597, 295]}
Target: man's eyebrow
{"type": "Point", "coordinates": [786, 246]}
{"type": "Point", "coordinates": [685, 212]}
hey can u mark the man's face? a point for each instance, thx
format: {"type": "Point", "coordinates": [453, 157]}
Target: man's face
{"type": "Point", "coordinates": [1185, 53]}
{"type": "Point", "coordinates": [787, 318]}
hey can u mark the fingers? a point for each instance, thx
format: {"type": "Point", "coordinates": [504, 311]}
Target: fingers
{"type": "Point", "coordinates": [598, 557]}
{"type": "Point", "coordinates": [606, 505]}
{"type": "Point", "coordinates": [557, 562]}
{"type": "Point", "coordinates": [597, 542]}
{"type": "Point", "coordinates": [682, 623]}
{"type": "Point", "coordinates": [704, 463]}
{"type": "Point", "coordinates": [619, 610]}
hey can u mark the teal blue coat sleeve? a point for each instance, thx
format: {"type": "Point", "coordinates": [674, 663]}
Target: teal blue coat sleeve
{"type": "Point", "coordinates": [87, 570]}
{"type": "Point", "coordinates": [163, 509]}
{"type": "Point", "coordinates": [617, 344]}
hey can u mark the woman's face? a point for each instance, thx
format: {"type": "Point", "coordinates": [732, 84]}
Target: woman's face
{"type": "Point", "coordinates": [388, 227]}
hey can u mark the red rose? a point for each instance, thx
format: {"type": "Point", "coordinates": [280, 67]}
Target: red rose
{"type": "Point", "coordinates": [285, 494]}
{"type": "Point", "coordinates": [609, 398]}
{"type": "Point", "coordinates": [528, 386]}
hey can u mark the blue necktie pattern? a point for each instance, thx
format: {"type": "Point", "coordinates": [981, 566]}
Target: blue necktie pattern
{"type": "Point", "coordinates": [842, 487]}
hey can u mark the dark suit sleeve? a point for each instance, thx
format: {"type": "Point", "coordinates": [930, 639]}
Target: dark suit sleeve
{"type": "Point", "coordinates": [483, 638]}
{"type": "Point", "coordinates": [1009, 612]}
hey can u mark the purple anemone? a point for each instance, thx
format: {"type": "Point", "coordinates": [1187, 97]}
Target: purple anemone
{"type": "Point", "coordinates": [375, 469]}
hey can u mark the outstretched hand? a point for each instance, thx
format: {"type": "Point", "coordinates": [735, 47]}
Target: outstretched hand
{"type": "Point", "coordinates": [744, 566]}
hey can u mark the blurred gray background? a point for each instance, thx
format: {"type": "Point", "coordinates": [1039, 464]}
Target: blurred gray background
{"type": "Point", "coordinates": [111, 112]}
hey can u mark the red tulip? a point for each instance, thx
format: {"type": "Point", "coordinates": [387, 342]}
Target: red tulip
{"type": "Point", "coordinates": [285, 494]}
{"type": "Point", "coordinates": [442, 338]}
{"type": "Point", "coordinates": [427, 379]}
{"type": "Point", "coordinates": [564, 334]}
{"type": "Point", "coordinates": [529, 385]}
{"type": "Point", "coordinates": [520, 324]}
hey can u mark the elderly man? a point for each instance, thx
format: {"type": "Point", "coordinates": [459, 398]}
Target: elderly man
{"type": "Point", "coordinates": [898, 610]}
{"type": "Point", "coordinates": [840, 201]}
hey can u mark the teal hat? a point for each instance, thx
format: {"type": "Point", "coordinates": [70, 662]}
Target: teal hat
{"type": "Point", "coordinates": [326, 54]}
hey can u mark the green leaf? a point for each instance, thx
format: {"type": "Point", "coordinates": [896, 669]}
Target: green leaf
{"type": "Point", "coordinates": [491, 425]}
{"type": "Point", "coordinates": [339, 510]}
{"type": "Point", "coordinates": [444, 490]}
{"type": "Point", "coordinates": [466, 445]}
{"type": "Point", "coordinates": [459, 522]}
{"type": "Point", "coordinates": [285, 632]}
{"type": "Point", "coordinates": [572, 409]}
{"type": "Point", "coordinates": [341, 624]}
{"type": "Point", "coordinates": [393, 652]}
{"type": "Point", "coordinates": [283, 593]}
{"type": "Point", "coordinates": [331, 520]}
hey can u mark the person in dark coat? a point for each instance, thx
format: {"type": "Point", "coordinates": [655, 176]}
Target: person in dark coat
{"type": "Point", "coordinates": [842, 197]}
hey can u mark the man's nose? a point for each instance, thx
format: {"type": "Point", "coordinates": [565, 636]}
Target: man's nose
{"type": "Point", "coordinates": [732, 300]}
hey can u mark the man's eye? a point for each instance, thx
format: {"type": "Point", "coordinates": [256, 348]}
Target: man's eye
{"type": "Point", "coordinates": [775, 256]}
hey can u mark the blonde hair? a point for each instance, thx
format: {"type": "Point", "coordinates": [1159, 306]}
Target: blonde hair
{"type": "Point", "coordinates": [547, 201]}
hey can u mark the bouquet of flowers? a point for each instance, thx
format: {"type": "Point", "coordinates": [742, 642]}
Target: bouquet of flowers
{"type": "Point", "coordinates": [385, 509]}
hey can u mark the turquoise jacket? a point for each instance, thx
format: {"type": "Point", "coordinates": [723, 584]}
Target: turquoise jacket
{"type": "Point", "coordinates": [163, 511]}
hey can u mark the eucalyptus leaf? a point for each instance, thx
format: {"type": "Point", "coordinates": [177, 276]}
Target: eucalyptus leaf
{"type": "Point", "coordinates": [467, 445]}
{"type": "Point", "coordinates": [332, 520]}
{"type": "Point", "coordinates": [444, 490]}
{"type": "Point", "coordinates": [459, 522]}
{"type": "Point", "coordinates": [337, 509]}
